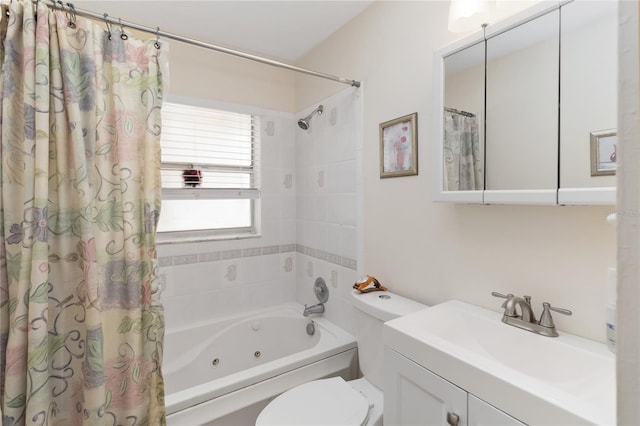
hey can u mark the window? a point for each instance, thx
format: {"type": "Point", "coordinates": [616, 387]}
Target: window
{"type": "Point", "coordinates": [209, 184]}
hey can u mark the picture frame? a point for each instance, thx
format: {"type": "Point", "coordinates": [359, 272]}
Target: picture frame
{"type": "Point", "coordinates": [603, 152]}
{"type": "Point", "coordinates": [399, 146]}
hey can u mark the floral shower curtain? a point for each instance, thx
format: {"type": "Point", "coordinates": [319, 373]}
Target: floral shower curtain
{"type": "Point", "coordinates": [81, 328]}
{"type": "Point", "coordinates": [463, 166]}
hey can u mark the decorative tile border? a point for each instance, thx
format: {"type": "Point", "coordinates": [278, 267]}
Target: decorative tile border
{"type": "Point", "coordinates": [215, 256]}
{"type": "Point", "coordinates": [185, 259]}
{"type": "Point", "coordinates": [329, 257]}
{"type": "Point", "coordinates": [209, 257]}
{"type": "Point", "coordinates": [286, 248]}
{"type": "Point", "coordinates": [251, 252]}
{"type": "Point", "coordinates": [230, 254]}
{"type": "Point", "coordinates": [270, 250]}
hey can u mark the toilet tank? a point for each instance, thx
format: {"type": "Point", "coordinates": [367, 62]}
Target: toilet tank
{"type": "Point", "coordinates": [371, 310]}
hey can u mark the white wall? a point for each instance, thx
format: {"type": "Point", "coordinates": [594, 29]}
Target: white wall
{"type": "Point", "coordinates": [207, 74]}
{"type": "Point", "coordinates": [434, 252]}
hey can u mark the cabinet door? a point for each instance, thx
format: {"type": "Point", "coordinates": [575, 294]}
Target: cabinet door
{"type": "Point", "coordinates": [589, 113]}
{"type": "Point", "coordinates": [483, 414]}
{"type": "Point", "coordinates": [522, 74]}
{"type": "Point", "coordinates": [415, 396]}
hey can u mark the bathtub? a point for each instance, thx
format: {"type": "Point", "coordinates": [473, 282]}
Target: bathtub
{"type": "Point", "coordinates": [216, 369]}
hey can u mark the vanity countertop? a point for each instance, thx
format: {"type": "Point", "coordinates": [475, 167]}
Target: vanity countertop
{"type": "Point", "coordinates": [537, 379]}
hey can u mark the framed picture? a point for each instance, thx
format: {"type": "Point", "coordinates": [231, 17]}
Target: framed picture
{"type": "Point", "coordinates": [603, 152]}
{"type": "Point", "coordinates": [399, 146]}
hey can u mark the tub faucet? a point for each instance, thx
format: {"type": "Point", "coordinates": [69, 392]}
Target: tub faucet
{"type": "Point", "coordinates": [315, 309]}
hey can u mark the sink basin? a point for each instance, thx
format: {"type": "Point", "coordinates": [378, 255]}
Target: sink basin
{"type": "Point", "coordinates": [537, 379]}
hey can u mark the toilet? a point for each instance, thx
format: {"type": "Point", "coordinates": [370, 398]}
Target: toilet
{"type": "Point", "coordinates": [335, 401]}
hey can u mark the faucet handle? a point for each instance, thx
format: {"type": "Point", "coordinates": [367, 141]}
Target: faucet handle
{"type": "Point", "coordinates": [546, 320]}
{"type": "Point", "coordinates": [504, 296]}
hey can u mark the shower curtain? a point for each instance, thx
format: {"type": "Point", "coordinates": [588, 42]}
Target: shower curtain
{"type": "Point", "coordinates": [463, 166]}
{"type": "Point", "coordinates": [81, 328]}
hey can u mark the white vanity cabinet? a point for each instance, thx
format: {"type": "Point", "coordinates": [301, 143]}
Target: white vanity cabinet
{"type": "Point", "coordinates": [457, 358]}
{"type": "Point", "coordinates": [416, 396]}
{"type": "Point", "coordinates": [483, 414]}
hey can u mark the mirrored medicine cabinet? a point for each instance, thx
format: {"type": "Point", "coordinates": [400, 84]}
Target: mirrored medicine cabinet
{"type": "Point", "coordinates": [527, 109]}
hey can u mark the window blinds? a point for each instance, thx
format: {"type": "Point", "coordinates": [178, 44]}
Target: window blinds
{"type": "Point", "coordinates": [216, 148]}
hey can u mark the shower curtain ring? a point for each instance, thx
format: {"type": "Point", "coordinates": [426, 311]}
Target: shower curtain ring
{"type": "Point", "coordinates": [71, 15]}
{"type": "Point", "coordinates": [61, 5]}
{"type": "Point", "coordinates": [106, 22]}
{"type": "Point", "coordinates": [157, 43]}
{"type": "Point", "coordinates": [123, 36]}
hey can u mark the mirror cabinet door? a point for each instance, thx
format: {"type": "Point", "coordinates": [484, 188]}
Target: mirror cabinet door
{"type": "Point", "coordinates": [463, 114]}
{"type": "Point", "coordinates": [522, 107]}
{"type": "Point", "coordinates": [588, 94]}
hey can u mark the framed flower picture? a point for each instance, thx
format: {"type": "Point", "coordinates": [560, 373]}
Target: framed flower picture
{"type": "Point", "coordinates": [399, 146]}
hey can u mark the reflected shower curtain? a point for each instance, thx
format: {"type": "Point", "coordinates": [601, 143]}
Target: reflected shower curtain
{"type": "Point", "coordinates": [463, 166]}
{"type": "Point", "coordinates": [81, 328]}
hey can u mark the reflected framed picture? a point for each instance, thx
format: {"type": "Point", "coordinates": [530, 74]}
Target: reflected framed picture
{"type": "Point", "coordinates": [603, 152]}
{"type": "Point", "coordinates": [399, 146]}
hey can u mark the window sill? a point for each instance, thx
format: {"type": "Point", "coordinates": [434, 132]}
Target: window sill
{"type": "Point", "coordinates": [163, 239]}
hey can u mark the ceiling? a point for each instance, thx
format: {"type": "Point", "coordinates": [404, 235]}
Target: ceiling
{"type": "Point", "coordinates": [283, 30]}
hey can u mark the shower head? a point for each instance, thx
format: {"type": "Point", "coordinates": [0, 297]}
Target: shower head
{"type": "Point", "coordinates": [303, 123]}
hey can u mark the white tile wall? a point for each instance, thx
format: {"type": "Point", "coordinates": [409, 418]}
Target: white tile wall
{"type": "Point", "coordinates": [329, 200]}
{"type": "Point", "coordinates": [311, 198]}
{"type": "Point", "coordinates": [205, 280]}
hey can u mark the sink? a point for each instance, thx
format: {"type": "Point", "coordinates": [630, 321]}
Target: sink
{"type": "Point", "coordinates": [537, 379]}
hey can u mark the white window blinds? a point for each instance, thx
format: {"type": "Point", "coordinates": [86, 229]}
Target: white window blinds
{"type": "Point", "coordinates": [209, 169]}
{"type": "Point", "coordinates": [218, 144]}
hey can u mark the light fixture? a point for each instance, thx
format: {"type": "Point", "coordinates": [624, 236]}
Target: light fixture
{"type": "Point", "coordinates": [468, 15]}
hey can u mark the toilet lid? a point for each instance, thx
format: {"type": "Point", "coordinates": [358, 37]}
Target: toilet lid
{"type": "Point", "coordinates": [320, 402]}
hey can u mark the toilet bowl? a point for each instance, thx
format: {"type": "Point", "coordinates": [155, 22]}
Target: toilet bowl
{"type": "Point", "coordinates": [334, 401]}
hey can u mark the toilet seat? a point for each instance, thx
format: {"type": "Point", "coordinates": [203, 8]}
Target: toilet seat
{"type": "Point", "coordinates": [320, 402]}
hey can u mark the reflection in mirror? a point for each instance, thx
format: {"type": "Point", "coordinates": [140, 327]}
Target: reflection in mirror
{"type": "Point", "coordinates": [463, 112]}
{"type": "Point", "coordinates": [522, 106]}
{"type": "Point", "coordinates": [588, 91]}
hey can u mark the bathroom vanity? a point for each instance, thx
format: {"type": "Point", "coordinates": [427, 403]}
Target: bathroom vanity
{"type": "Point", "coordinates": [527, 109]}
{"type": "Point", "coordinates": [418, 396]}
{"type": "Point", "coordinates": [459, 364]}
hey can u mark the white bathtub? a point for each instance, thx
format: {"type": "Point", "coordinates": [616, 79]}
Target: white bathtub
{"type": "Point", "coordinates": [258, 356]}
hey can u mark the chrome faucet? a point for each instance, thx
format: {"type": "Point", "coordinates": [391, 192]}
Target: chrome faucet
{"type": "Point", "coordinates": [315, 309]}
{"type": "Point", "coordinates": [527, 319]}
{"type": "Point", "coordinates": [524, 304]}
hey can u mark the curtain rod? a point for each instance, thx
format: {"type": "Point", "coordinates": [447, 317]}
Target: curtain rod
{"type": "Point", "coordinates": [105, 18]}
{"type": "Point", "coordinates": [457, 111]}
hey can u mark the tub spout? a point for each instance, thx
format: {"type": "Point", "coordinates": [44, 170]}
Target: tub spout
{"type": "Point", "coordinates": [315, 309]}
